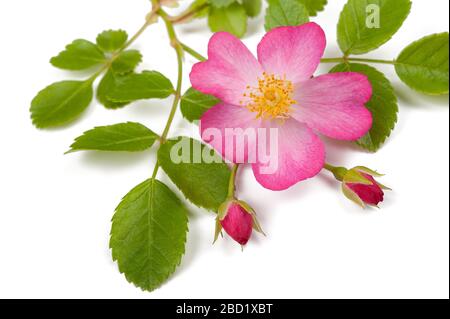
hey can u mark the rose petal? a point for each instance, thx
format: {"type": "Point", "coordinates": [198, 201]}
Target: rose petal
{"type": "Point", "coordinates": [225, 126]}
{"type": "Point", "coordinates": [334, 105]}
{"type": "Point", "coordinates": [292, 51]}
{"type": "Point", "coordinates": [229, 70]}
{"type": "Point", "coordinates": [300, 155]}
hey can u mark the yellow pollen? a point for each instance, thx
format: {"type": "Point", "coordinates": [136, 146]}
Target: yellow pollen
{"type": "Point", "coordinates": [272, 98]}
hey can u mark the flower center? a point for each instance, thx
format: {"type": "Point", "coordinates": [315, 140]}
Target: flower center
{"type": "Point", "coordinates": [272, 98]}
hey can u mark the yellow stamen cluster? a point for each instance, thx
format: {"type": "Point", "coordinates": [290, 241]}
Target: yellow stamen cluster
{"type": "Point", "coordinates": [272, 98]}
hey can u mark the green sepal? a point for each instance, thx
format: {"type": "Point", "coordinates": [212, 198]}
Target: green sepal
{"type": "Point", "coordinates": [355, 176]}
{"type": "Point", "coordinates": [223, 209]}
{"type": "Point", "coordinates": [218, 230]}
{"type": "Point", "coordinates": [352, 195]}
{"type": "Point", "coordinates": [368, 171]}
{"type": "Point", "coordinates": [384, 187]}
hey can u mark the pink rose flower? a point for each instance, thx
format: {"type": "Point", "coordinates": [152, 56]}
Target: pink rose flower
{"type": "Point", "coordinates": [278, 91]}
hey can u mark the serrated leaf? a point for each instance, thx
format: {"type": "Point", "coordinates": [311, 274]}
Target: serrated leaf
{"type": "Point", "coordinates": [194, 104]}
{"type": "Point", "coordinates": [61, 103]}
{"type": "Point", "coordinates": [361, 30]}
{"type": "Point", "coordinates": [122, 137]}
{"type": "Point", "coordinates": [140, 86]}
{"type": "Point", "coordinates": [204, 183]}
{"type": "Point", "coordinates": [106, 86]}
{"type": "Point", "coordinates": [112, 40]}
{"type": "Point", "coordinates": [148, 234]}
{"type": "Point", "coordinates": [314, 6]}
{"type": "Point", "coordinates": [423, 65]}
{"type": "Point", "coordinates": [252, 7]}
{"type": "Point", "coordinates": [221, 3]}
{"type": "Point", "coordinates": [126, 62]}
{"type": "Point", "coordinates": [285, 13]}
{"type": "Point", "coordinates": [383, 105]}
{"type": "Point", "coordinates": [79, 55]}
{"type": "Point", "coordinates": [232, 19]}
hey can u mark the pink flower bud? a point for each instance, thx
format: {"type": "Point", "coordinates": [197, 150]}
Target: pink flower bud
{"type": "Point", "coordinates": [370, 194]}
{"type": "Point", "coordinates": [238, 223]}
{"type": "Point", "coordinates": [360, 186]}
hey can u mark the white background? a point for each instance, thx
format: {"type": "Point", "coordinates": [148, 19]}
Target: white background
{"type": "Point", "coordinates": [55, 209]}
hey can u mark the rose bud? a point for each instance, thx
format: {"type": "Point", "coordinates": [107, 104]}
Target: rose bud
{"type": "Point", "coordinates": [238, 220]}
{"type": "Point", "coordinates": [359, 184]}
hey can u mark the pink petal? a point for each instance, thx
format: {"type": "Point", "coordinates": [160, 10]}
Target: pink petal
{"type": "Point", "coordinates": [229, 70]}
{"type": "Point", "coordinates": [301, 155]}
{"type": "Point", "coordinates": [223, 118]}
{"type": "Point", "coordinates": [334, 105]}
{"type": "Point", "coordinates": [292, 51]}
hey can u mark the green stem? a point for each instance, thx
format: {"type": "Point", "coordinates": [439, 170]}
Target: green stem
{"type": "Point", "coordinates": [329, 167]}
{"type": "Point", "coordinates": [179, 51]}
{"type": "Point", "coordinates": [346, 59]}
{"type": "Point", "coordinates": [155, 171]}
{"type": "Point", "coordinates": [188, 14]}
{"type": "Point", "coordinates": [148, 22]}
{"type": "Point", "coordinates": [232, 182]}
{"type": "Point", "coordinates": [332, 60]}
{"type": "Point", "coordinates": [338, 172]}
{"type": "Point", "coordinates": [193, 53]}
{"type": "Point", "coordinates": [107, 65]}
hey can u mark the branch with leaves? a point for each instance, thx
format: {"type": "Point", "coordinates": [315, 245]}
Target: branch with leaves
{"type": "Point", "coordinates": [150, 225]}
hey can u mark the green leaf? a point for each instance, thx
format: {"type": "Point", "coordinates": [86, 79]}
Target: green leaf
{"type": "Point", "coordinates": [61, 103]}
{"type": "Point", "coordinates": [123, 137]}
{"type": "Point", "coordinates": [221, 3]}
{"type": "Point", "coordinates": [383, 105]}
{"type": "Point", "coordinates": [203, 182]}
{"type": "Point", "coordinates": [252, 7]}
{"type": "Point", "coordinates": [112, 40]}
{"type": "Point", "coordinates": [314, 6]}
{"type": "Point", "coordinates": [106, 86]}
{"type": "Point", "coordinates": [361, 29]}
{"type": "Point", "coordinates": [79, 55]}
{"type": "Point", "coordinates": [127, 61]}
{"type": "Point", "coordinates": [423, 65]}
{"type": "Point", "coordinates": [145, 85]}
{"type": "Point", "coordinates": [148, 234]}
{"type": "Point", "coordinates": [194, 104]}
{"type": "Point", "coordinates": [232, 19]}
{"type": "Point", "coordinates": [285, 13]}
